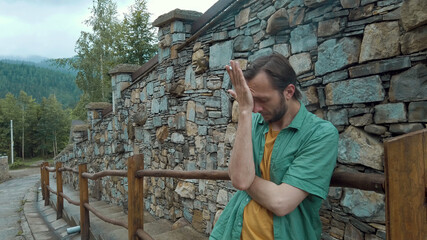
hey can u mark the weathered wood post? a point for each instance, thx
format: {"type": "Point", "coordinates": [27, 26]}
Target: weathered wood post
{"type": "Point", "coordinates": [42, 179]}
{"type": "Point", "coordinates": [46, 184]}
{"type": "Point", "coordinates": [84, 198]}
{"type": "Point", "coordinates": [59, 199]}
{"type": "Point", "coordinates": [135, 196]}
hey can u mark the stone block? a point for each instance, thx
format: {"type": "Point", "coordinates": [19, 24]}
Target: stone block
{"type": "Point", "coordinates": [403, 128]}
{"type": "Point", "coordinates": [243, 43]}
{"type": "Point", "coordinates": [219, 36]}
{"type": "Point", "coordinates": [413, 14]}
{"type": "Point", "coordinates": [359, 90]}
{"type": "Point", "coordinates": [260, 53]}
{"type": "Point", "coordinates": [314, 3]}
{"type": "Point", "coordinates": [366, 205]}
{"type": "Point", "coordinates": [329, 27]}
{"type": "Point", "coordinates": [350, 3]}
{"type": "Point", "coordinates": [310, 96]}
{"type": "Point", "coordinates": [361, 120]}
{"type": "Point", "coordinates": [192, 129]}
{"type": "Point", "coordinates": [296, 16]}
{"type": "Point", "coordinates": [409, 85]}
{"type": "Point", "coordinates": [191, 111]}
{"type": "Point", "coordinates": [283, 49]}
{"type": "Point", "coordinates": [417, 112]}
{"type": "Point", "coordinates": [220, 54]}
{"type": "Point", "coordinates": [303, 38]}
{"type": "Point", "coordinates": [301, 63]}
{"type": "Point", "coordinates": [375, 129]}
{"type": "Point", "coordinates": [414, 41]}
{"type": "Point", "coordinates": [357, 147]}
{"type": "Point", "coordinates": [351, 232]}
{"type": "Point", "coordinates": [360, 13]}
{"type": "Point", "coordinates": [335, 76]}
{"type": "Point", "coordinates": [177, 26]}
{"type": "Point", "coordinates": [186, 190]}
{"type": "Point", "coordinates": [242, 18]}
{"type": "Point", "coordinates": [381, 66]}
{"type": "Point", "coordinates": [380, 40]}
{"type": "Point", "coordinates": [278, 21]}
{"type": "Point", "coordinates": [334, 55]}
{"type": "Point", "coordinates": [177, 138]}
{"type": "Point", "coordinates": [267, 12]}
{"type": "Point", "coordinates": [190, 78]}
{"type": "Point", "coordinates": [162, 133]}
{"type": "Point", "coordinates": [338, 117]}
{"type": "Point", "coordinates": [267, 43]}
{"type": "Point", "coordinates": [225, 104]}
{"type": "Point", "coordinates": [390, 113]}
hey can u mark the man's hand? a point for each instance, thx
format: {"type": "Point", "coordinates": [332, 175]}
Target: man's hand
{"type": "Point", "coordinates": [242, 92]}
{"type": "Point", "coordinates": [241, 167]}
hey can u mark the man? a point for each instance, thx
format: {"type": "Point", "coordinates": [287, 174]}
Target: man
{"type": "Point", "coordinates": [282, 159]}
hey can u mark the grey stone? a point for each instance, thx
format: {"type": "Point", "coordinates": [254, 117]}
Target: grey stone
{"type": "Point", "coordinates": [296, 16]}
{"type": "Point", "coordinates": [278, 21]}
{"type": "Point", "coordinates": [364, 227]}
{"type": "Point", "coordinates": [242, 18]}
{"type": "Point", "coordinates": [362, 12]}
{"type": "Point", "coordinates": [266, 12]}
{"type": "Point", "coordinates": [390, 113]}
{"type": "Point", "coordinates": [338, 117]}
{"type": "Point", "coordinates": [155, 106]}
{"type": "Point", "coordinates": [381, 66]}
{"type": "Point", "coordinates": [359, 90]}
{"type": "Point", "coordinates": [177, 26]}
{"type": "Point", "coordinates": [163, 107]}
{"type": "Point", "coordinates": [281, 3]}
{"type": "Point", "coordinates": [375, 129]}
{"type": "Point", "coordinates": [365, 21]}
{"type": "Point", "coordinates": [303, 38]}
{"type": "Point", "coordinates": [243, 43]}
{"type": "Point", "coordinates": [191, 111]}
{"type": "Point", "coordinates": [260, 53]}
{"type": "Point", "coordinates": [405, 128]}
{"type": "Point", "coordinates": [335, 76]}
{"type": "Point", "coordinates": [225, 104]}
{"type": "Point", "coordinates": [314, 3]}
{"type": "Point", "coordinates": [413, 13]}
{"type": "Point", "coordinates": [357, 147]}
{"type": "Point", "coordinates": [410, 85]}
{"type": "Point", "coordinates": [333, 55]}
{"type": "Point", "coordinates": [317, 12]}
{"type": "Point", "coordinates": [350, 3]}
{"type": "Point", "coordinates": [177, 138]}
{"type": "Point", "coordinates": [361, 120]}
{"type": "Point", "coordinates": [393, 15]}
{"type": "Point", "coordinates": [164, 53]}
{"type": "Point", "coordinates": [178, 38]}
{"type": "Point", "coordinates": [414, 41]}
{"type": "Point", "coordinates": [219, 36]}
{"type": "Point", "coordinates": [353, 233]}
{"type": "Point", "coordinates": [417, 112]}
{"type": "Point", "coordinates": [364, 2]}
{"type": "Point", "coordinates": [301, 63]}
{"type": "Point", "coordinates": [387, 2]}
{"type": "Point", "coordinates": [190, 78]}
{"type": "Point", "coordinates": [282, 49]}
{"type": "Point", "coordinates": [202, 130]}
{"type": "Point", "coordinates": [329, 27]}
{"type": "Point", "coordinates": [220, 54]}
{"type": "Point", "coordinates": [380, 40]}
{"type": "Point", "coordinates": [366, 205]}
{"type": "Point", "coordinates": [307, 83]}
{"type": "Point", "coordinates": [266, 43]}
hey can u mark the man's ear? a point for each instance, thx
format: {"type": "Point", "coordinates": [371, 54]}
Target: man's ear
{"type": "Point", "coordinates": [289, 91]}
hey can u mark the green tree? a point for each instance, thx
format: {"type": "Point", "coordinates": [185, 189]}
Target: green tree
{"type": "Point", "coordinates": [137, 35]}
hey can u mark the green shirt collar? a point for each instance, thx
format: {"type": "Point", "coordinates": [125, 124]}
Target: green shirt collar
{"type": "Point", "coordinates": [296, 122]}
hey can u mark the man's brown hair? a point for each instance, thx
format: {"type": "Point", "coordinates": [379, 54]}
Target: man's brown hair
{"type": "Point", "coordinates": [278, 69]}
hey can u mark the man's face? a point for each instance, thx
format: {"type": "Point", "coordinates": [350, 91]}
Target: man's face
{"type": "Point", "coordinates": [269, 102]}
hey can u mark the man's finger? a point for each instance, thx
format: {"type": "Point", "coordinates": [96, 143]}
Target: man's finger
{"type": "Point", "coordinates": [232, 93]}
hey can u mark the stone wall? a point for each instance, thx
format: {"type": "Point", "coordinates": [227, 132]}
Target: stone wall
{"type": "Point", "coordinates": [360, 63]}
{"type": "Point", "coordinates": [4, 168]}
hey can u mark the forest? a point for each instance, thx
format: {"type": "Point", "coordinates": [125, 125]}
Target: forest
{"type": "Point", "coordinates": [42, 101]}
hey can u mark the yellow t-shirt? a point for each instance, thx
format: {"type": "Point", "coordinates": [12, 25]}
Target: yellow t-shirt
{"type": "Point", "coordinates": [257, 220]}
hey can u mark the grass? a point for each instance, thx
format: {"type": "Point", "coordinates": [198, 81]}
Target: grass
{"type": "Point", "coordinates": [28, 162]}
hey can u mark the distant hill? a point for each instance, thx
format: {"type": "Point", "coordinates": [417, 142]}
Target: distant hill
{"type": "Point", "coordinates": [38, 79]}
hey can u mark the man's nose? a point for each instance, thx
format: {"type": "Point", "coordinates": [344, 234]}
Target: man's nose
{"type": "Point", "coordinates": [257, 108]}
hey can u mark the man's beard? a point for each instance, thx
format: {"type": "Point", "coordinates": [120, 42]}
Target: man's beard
{"type": "Point", "coordinates": [280, 112]}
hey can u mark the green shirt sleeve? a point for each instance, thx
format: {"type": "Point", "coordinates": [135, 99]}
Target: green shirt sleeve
{"type": "Point", "coordinates": [313, 165]}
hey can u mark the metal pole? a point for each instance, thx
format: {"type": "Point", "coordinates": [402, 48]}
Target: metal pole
{"type": "Point", "coordinates": [11, 139]}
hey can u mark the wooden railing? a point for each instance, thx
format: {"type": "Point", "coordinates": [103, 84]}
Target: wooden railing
{"type": "Point", "coordinates": [135, 174]}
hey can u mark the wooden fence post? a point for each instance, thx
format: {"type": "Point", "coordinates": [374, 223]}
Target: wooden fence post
{"type": "Point", "coordinates": [84, 198]}
{"type": "Point", "coordinates": [46, 184]}
{"type": "Point", "coordinates": [406, 184]}
{"type": "Point", "coordinates": [59, 199]}
{"type": "Point", "coordinates": [135, 196]}
{"type": "Point", "coordinates": [42, 179]}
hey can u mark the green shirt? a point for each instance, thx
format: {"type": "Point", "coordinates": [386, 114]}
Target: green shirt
{"type": "Point", "coordinates": [304, 156]}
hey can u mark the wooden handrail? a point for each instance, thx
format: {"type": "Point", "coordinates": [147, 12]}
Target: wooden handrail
{"type": "Point", "coordinates": [51, 190]}
{"type": "Point", "coordinates": [94, 176]}
{"type": "Point", "coordinates": [103, 218]}
{"type": "Point", "coordinates": [69, 170]}
{"type": "Point", "coordinates": [143, 235]}
{"type": "Point", "coordinates": [69, 199]}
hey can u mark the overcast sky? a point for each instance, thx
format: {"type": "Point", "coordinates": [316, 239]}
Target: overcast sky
{"type": "Point", "coordinates": [50, 28]}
